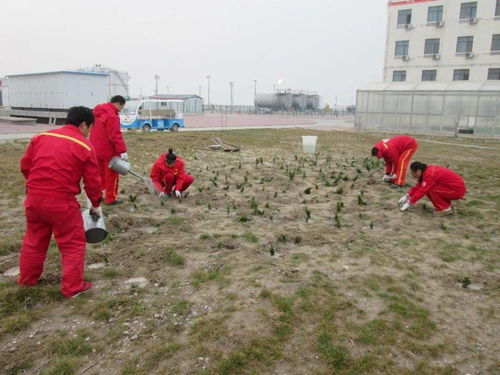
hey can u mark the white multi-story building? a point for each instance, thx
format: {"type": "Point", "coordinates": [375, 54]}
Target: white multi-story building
{"type": "Point", "coordinates": [443, 41]}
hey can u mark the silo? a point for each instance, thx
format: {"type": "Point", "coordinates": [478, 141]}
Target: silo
{"type": "Point", "coordinates": [312, 102]}
{"type": "Point", "coordinates": [275, 102]}
{"type": "Point", "coordinates": [299, 102]}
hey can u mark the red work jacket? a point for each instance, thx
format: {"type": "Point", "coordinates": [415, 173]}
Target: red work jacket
{"type": "Point", "coordinates": [437, 178]}
{"type": "Point", "coordinates": [161, 171]}
{"type": "Point", "coordinates": [392, 149]}
{"type": "Point", "coordinates": [57, 160]}
{"type": "Point", "coordinates": [106, 135]}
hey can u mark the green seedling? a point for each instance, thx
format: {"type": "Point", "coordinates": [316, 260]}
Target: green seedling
{"type": "Point", "coordinates": [308, 190]}
{"type": "Point", "coordinates": [371, 224]}
{"type": "Point", "coordinates": [276, 194]}
{"type": "Point", "coordinates": [340, 206]}
{"type": "Point", "coordinates": [282, 238]}
{"type": "Point", "coordinates": [339, 191]}
{"type": "Point", "coordinates": [214, 182]}
{"type": "Point", "coordinates": [272, 250]}
{"type": "Point", "coordinates": [243, 219]}
{"type": "Point", "coordinates": [465, 282]}
{"type": "Point", "coordinates": [291, 175]}
{"type": "Point", "coordinates": [337, 221]}
{"type": "Point", "coordinates": [239, 165]}
{"type": "Point", "coordinates": [361, 202]}
{"type": "Point", "coordinates": [308, 214]}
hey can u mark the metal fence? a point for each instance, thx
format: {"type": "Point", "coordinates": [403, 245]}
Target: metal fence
{"type": "Point", "coordinates": [474, 107]}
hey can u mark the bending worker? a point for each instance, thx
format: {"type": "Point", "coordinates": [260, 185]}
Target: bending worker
{"type": "Point", "coordinates": [168, 174]}
{"type": "Point", "coordinates": [108, 141]}
{"type": "Point", "coordinates": [53, 165]}
{"type": "Point", "coordinates": [439, 184]}
{"type": "Point", "coordinates": [397, 153]}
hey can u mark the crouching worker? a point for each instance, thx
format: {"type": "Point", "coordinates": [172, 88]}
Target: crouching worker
{"type": "Point", "coordinates": [439, 184]}
{"type": "Point", "coordinates": [168, 174]}
{"type": "Point", "coordinates": [53, 165]}
{"type": "Point", "coordinates": [397, 153]}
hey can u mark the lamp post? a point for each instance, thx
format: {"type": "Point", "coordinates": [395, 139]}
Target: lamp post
{"type": "Point", "coordinates": [208, 91]}
{"type": "Point", "coordinates": [254, 88]}
{"type": "Point", "coordinates": [156, 77]}
{"type": "Point", "coordinates": [231, 94]}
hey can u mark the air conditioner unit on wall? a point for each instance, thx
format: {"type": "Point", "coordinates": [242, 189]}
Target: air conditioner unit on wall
{"type": "Point", "coordinates": [406, 58]}
{"type": "Point", "coordinates": [436, 56]}
{"type": "Point", "coordinates": [469, 55]}
{"type": "Point", "coordinates": [440, 23]}
{"type": "Point", "coordinates": [473, 20]}
{"type": "Point", "coordinates": [408, 26]}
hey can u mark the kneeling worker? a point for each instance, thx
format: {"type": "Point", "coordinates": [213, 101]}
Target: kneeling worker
{"type": "Point", "coordinates": [168, 174]}
{"type": "Point", "coordinates": [53, 165]}
{"type": "Point", "coordinates": [439, 184]}
{"type": "Point", "coordinates": [397, 153]}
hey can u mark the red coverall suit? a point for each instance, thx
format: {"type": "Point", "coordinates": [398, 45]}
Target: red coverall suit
{"type": "Point", "coordinates": [53, 166]}
{"type": "Point", "coordinates": [165, 177]}
{"type": "Point", "coordinates": [397, 153]}
{"type": "Point", "coordinates": [107, 139]}
{"type": "Point", "coordinates": [440, 185]}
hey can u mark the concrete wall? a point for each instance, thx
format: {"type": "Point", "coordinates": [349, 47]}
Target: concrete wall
{"type": "Point", "coordinates": [487, 25]}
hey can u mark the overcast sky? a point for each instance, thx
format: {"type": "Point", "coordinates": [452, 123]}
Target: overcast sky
{"type": "Point", "coordinates": [327, 46]}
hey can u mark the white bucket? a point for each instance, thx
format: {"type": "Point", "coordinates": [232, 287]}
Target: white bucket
{"type": "Point", "coordinates": [95, 230]}
{"type": "Point", "coordinates": [309, 144]}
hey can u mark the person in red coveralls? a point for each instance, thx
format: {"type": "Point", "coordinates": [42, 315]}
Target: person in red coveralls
{"type": "Point", "coordinates": [106, 136]}
{"type": "Point", "coordinates": [397, 153]}
{"type": "Point", "coordinates": [53, 165]}
{"type": "Point", "coordinates": [168, 174]}
{"type": "Point", "coordinates": [439, 184]}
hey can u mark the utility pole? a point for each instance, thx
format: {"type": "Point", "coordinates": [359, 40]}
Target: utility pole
{"type": "Point", "coordinates": [254, 88]}
{"type": "Point", "coordinates": [157, 78]}
{"type": "Point", "coordinates": [199, 91]}
{"type": "Point", "coordinates": [208, 91]}
{"type": "Point", "coordinates": [231, 93]}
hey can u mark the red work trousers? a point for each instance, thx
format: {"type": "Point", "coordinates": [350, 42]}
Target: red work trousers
{"type": "Point", "coordinates": [402, 166]}
{"type": "Point", "coordinates": [441, 196]}
{"type": "Point", "coordinates": [109, 181]}
{"type": "Point", "coordinates": [170, 181]}
{"type": "Point", "coordinates": [61, 217]}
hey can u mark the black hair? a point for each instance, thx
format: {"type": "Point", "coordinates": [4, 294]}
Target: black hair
{"type": "Point", "coordinates": [416, 165]}
{"type": "Point", "coordinates": [118, 99]}
{"type": "Point", "coordinates": [171, 157]}
{"type": "Point", "coordinates": [374, 151]}
{"type": "Point", "coordinates": [77, 115]}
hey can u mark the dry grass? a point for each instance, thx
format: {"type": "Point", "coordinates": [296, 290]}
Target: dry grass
{"type": "Point", "coordinates": [276, 262]}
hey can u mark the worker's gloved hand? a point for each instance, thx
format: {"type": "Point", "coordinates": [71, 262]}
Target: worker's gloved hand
{"type": "Point", "coordinates": [404, 199]}
{"type": "Point", "coordinates": [177, 194]}
{"type": "Point", "coordinates": [95, 213]}
{"type": "Point", "coordinates": [124, 156]}
{"type": "Point", "coordinates": [405, 206]}
{"type": "Point", "coordinates": [386, 178]}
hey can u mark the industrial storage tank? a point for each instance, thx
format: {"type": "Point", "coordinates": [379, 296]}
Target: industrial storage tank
{"type": "Point", "coordinates": [276, 101]}
{"type": "Point", "coordinates": [299, 102]}
{"type": "Point", "coordinates": [312, 102]}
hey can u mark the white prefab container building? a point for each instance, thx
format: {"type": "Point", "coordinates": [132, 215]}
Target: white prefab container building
{"type": "Point", "coordinates": [57, 90]}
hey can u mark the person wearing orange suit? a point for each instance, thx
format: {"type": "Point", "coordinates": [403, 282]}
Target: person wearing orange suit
{"type": "Point", "coordinates": [107, 138]}
{"type": "Point", "coordinates": [439, 184]}
{"type": "Point", "coordinates": [168, 174]}
{"type": "Point", "coordinates": [53, 165]}
{"type": "Point", "coordinates": [397, 153]}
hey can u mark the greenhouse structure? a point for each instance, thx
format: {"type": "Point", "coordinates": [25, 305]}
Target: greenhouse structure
{"type": "Point", "coordinates": [466, 107]}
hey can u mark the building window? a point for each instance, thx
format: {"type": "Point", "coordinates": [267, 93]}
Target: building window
{"type": "Point", "coordinates": [431, 47]}
{"type": "Point", "coordinates": [497, 10]}
{"type": "Point", "coordinates": [435, 14]}
{"type": "Point", "coordinates": [399, 76]}
{"type": "Point", "coordinates": [468, 10]}
{"type": "Point", "coordinates": [464, 44]}
{"type": "Point", "coordinates": [495, 43]}
{"type": "Point", "coordinates": [461, 75]}
{"type": "Point", "coordinates": [404, 17]}
{"type": "Point", "coordinates": [429, 75]}
{"type": "Point", "coordinates": [494, 73]}
{"type": "Point", "coordinates": [402, 47]}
